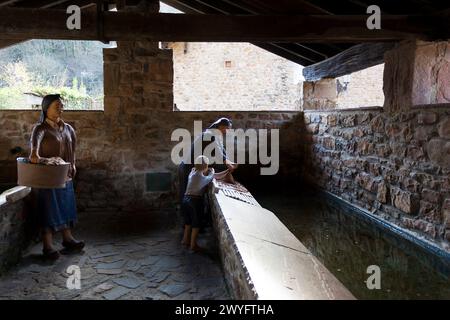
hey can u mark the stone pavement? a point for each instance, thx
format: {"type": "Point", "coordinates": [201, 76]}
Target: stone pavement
{"type": "Point", "coordinates": [127, 256]}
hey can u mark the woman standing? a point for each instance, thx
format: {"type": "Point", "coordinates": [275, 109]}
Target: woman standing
{"type": "Point", "coordinates": [53, 138]}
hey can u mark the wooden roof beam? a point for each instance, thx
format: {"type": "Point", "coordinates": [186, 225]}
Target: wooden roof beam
{"type": "Point", "coordinates": [356, 58]}
{"type": "Point", "coordinates": [51, 24]}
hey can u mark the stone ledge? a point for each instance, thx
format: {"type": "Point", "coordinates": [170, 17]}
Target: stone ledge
{"type": "Point", "coordinates": [14, 194]}
{"type": "Point", "coordinates": [14, 234]}
{"type": "Point", "coordinates": [337, 110]}
{"type": "Point", "coordinates": [431, 107]}
{"type": "Point", "coordinates": [222, 111]}
{"type": "Point", "coordinates": [263, 259]}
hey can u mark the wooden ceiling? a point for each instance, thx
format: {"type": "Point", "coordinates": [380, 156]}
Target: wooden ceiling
{"type": "Point", "coordinates": [308, 54]}
{"type": "Point", "coordinates": [306, 51]}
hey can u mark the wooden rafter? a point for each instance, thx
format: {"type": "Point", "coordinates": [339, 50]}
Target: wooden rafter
{"type": "Point", "coordinates": [51, 24]}
{"type": "Point", "coordinates": [354, 59]}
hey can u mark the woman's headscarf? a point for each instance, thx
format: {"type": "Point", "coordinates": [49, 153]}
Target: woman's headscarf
{"type": "Point", "coordinates": [221, 122]}
{"type": "Point", "coordinates": [46, 102]}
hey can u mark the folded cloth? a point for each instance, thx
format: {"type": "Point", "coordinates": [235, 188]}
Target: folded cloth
{"type": "Point", "coordinates": [52, 161]}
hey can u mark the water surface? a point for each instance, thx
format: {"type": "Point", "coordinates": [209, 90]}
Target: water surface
{"type": "Point", "coordinates": [347, 244]}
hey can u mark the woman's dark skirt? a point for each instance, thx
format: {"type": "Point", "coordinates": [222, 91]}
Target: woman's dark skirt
{"type": "Point", "coordinates": [57, 208]}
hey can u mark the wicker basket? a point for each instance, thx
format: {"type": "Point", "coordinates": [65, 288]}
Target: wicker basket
{"type": "Point", "coordinates": [41, 175]}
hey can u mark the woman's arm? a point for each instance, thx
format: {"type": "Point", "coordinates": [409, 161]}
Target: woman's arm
{"type": "Point", "coordinates": [221, 175]}
{"type": "Point", "coordinates": [35, 141]}
{"type": "Point", "coordinates": [225, 176]}
{"type": "Point", "coordinates": [74, 145]}
{"type": "Point", "coordinates": [34, 156]}
{"type": "Point", "coordinates": [231, 165]}
{"type": "Point", "coordinates": [222, 152]}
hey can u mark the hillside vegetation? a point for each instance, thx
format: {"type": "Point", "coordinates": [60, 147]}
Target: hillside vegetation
{"type": "Point", "coordinates": [31, 69]}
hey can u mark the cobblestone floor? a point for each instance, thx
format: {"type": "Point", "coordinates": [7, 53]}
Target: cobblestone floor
{"type": "Point", "coordinates": [127, 256]}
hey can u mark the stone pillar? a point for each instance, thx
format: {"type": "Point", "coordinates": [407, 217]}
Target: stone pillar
{"type": "Point", "coordinates": [138, 76]}
{"type": "Point", "coordinates": [416, 73]}
{"type": "Point", "coordinates": [138, 87]}
{"type": "Point", "coordinates": [431, 83]}
{"type": "Point", "coordinates": [397, 77]}
{"type": "Point", "coordinates": [320, 95]}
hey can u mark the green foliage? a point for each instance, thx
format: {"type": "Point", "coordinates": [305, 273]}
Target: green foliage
{"type": "Point", "coordinates": [10, 97]}
{"type": "Point", "coordinates": [73, 69]}
{"type": "Point", "coordinates": [15, 74]}
{"type": "Point", "coordinates": [73, 98]}
{"type": "Point", "coordinates": [75, 83]}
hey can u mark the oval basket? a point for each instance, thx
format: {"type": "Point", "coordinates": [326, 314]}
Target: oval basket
{"type": "Point", "coordinates": [40, 175]}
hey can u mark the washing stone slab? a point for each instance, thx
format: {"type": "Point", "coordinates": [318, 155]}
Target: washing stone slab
{"type": "Point", "coordinates": [278, 264]}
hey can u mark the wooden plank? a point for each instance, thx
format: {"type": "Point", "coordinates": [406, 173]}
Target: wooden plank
{"type": "Point", "coordinates": [36, 4]}
{"type": "Point", "coordinates": [51, 24]}
{"type": "Point", "coordinates": [278, 7]}
{"type": "Point", "coordinates": [9, 42]}
{"type": "Point", "coordinates": [8, 2]}
{"type": "Point", "coordinates": [356, 58]}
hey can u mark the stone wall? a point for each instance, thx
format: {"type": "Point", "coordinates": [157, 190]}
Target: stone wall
{"type": "Point", "coordinates": [361, 89]}
{"type": "Point", "coordinates": [431, 81]}
{"type": "Point", "coordinates": [417, 73]}
{"type": "Point", "coordinates": [396, 166]}
{"type": "Point", "coordinates": [240, 76]}
{"type": "Point", "coordinates": [320, 95]}
{"type": "Point", "coordinates": [15, 232]}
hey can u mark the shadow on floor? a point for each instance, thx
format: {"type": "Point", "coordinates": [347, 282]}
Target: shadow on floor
{"type": "Point", "coordinates": [128, 255]}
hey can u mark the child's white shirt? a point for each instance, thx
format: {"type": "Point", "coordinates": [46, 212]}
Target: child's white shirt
{"type": "Point", "coordinates": [197, 182]}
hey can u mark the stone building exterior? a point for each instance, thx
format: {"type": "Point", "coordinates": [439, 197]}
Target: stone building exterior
{"type": "Point", "coordinates": [241, 76]}
{"type": "Point", "coordinates": [361, 89]}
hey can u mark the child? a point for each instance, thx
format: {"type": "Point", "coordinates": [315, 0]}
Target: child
{"type": "Point", "coordinates": [192, 205]}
